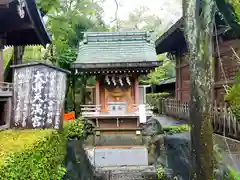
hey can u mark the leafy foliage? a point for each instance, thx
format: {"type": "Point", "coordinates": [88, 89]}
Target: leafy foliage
{"type": "Point", "coordinates": [166, 71]}
{"type": "Point", "coordinates": [32, 154]}
{"type": "Point", "coordinates": [236, 9]}
{"type": "Point", "coordinates": [233, 97]}
{"type": "Point", "coordinates": [141, 18]}
{"type": "Point", "coordinates": [7, 53]}
{"type": "Point", "coordinates": [221, 170]}
{"type": "Point", "coordinates": [74, 129]}
{"type": "Point", "coordinates": [67, 24]}
{"type": "Point", "coordinates": [176, 129]}
{"type": "Point", "coordinates": [233, 174]}
{"type": "Point", "coordinates": [160, 173]}
{"type": "Point", "coordinates": [36, 154]}
{"type": "Point", "coordinates": [153, 99]}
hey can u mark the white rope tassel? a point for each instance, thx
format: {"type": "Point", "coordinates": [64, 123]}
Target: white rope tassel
{"type": "Point", "coordinates": [114, 81]}
{"type": "Point", "coordinates": [107, 80]}
{"type": "Point", "coordinates": [120, 81]}
{"type": "Point", "coordinates": [128, 80]}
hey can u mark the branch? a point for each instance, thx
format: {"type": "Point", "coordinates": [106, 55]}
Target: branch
{"type": "Point", "coordinates": [116, 15]}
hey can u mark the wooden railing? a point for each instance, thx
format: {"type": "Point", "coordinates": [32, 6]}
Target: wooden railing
{"type": "Point", "coordinates": [5, 87]}
{"type": "Point", "coordinates": [223, 120]}
{"type": "Point", "coordinates": [90, 109]}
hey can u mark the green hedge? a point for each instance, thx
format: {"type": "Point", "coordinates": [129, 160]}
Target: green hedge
{"type": "Point", "coordinates": [176, 129]}
{"type": "Point", "coordinates": [153, 99]}
{"type": "Point", "coordinates": [35, 154]}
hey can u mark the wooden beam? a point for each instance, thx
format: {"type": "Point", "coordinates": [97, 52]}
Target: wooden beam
{"type": "Point", "coordinates": [21, 27]}
{"type": "Point", "coordinates": [4, 4]}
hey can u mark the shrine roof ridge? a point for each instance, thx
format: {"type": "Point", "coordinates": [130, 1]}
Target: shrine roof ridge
{"type": "Point", "coordinates": [116, 36]}
{"type": "Point", "coordinates": [114, 47]}
{"type": "Point", "coordinates": [39, 63]}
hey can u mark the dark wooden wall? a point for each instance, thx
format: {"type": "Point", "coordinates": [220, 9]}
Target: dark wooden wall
{"type": "Point", "coordinates": [225, 69]}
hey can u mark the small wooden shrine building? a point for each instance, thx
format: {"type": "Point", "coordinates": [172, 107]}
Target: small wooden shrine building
{"type": "Point", "coordinates": [21, 24]}
{"type": "Point", "coordinates": [116, 59]}
{"type": "Point", "coordinates": [225, 62]}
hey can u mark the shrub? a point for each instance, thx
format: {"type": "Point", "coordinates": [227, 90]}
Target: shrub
{"type": "Point", "coordinates": [153, 99]}
{"type": "Point", "coordinates": [36, 154]}
{"type": "Point", "coordinates": [74, 129]}
{"type": "Point", "coordinates": [233, 97]}
{"type": "Point", "coordinates": [176, 129]}
{"type": "Point", "coordinates": [160, 173]}
{"type": "Point", "coordinates": [32, 154]}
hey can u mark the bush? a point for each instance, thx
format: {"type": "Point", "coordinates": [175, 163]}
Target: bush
{"type": "Point", "coordinates": [153, 99]}
{"type": "Point", "coordinates": [176, 129]}
{"type": "Point", "coordinates": [160, 173]}
{"type": "Point", "coordinates": [36, 154]}
{"type": "Point", "coordinates": [32, 154]}
{"type": "Point", "coordinates": [233, 97]}
{"type": "Point", "coordinates": [74, 129]}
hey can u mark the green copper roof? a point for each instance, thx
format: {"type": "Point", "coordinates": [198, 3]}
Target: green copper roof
{"type": "Point", "coordinates": [111, 47]}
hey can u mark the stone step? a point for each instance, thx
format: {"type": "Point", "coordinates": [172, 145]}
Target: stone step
{"type": "Point", "coordinates": [127, 173]}
{"type": "Point", "coordinates": [116, 157]}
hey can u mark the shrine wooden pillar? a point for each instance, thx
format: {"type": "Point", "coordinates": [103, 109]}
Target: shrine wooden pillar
{"type": "Point", "coordinates": [136, 89]}
{"type": "Point", "coordinates": [97, 92]}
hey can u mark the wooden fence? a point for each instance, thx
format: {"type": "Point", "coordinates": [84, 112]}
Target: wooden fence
{"type": "Point", "coordinates": [223, 120]}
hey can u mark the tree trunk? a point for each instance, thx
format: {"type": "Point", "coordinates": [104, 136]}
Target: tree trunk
{"type": "Point", "coordinates": [198, 32]}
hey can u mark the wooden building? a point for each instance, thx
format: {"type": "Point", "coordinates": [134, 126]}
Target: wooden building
{"type": "Point", "coordinates": [116, 59]}
{"type": "Point", "coordinates": [164, 86]}
{"type": "Point", "coordinates": [226, 65]}
{"type": "Point", "coordinates": [21, 24]}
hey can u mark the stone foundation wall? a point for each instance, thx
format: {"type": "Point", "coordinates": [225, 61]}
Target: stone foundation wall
{"type": "Point", "coordinates": [114, 140]}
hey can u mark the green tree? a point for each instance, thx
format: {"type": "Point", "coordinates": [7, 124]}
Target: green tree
{"type": "Point", "coordinates": [230, 10]}
{"type": "Point", "coordinates": [141, 19]}
{"type": "Point", "coordinates": [67, 25]}
{"type": "Point", "coordinates": [165, 71]}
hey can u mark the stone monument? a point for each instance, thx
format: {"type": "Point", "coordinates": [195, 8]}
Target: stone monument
{"type": "Point", "coordinates": [38, 96]}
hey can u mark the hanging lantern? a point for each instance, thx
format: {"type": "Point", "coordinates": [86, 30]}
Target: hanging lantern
{"type": "Point", "coordinates": [20, 8]}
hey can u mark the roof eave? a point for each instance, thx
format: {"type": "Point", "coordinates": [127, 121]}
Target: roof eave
{"type": "Point", "coordinates": [163, 44]}
{"type": "Point", "coordinates": [92, 66]}
{"type": "Point", "coordinates": [37, 20]}
{"type": "Point", "coordinates": [32, 24]}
